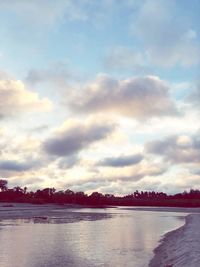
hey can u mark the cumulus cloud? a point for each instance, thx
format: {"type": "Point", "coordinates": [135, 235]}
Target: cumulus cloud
{"type": "Point", "coordinates": [75, 136]}
{"type": "Point", "coordinates": [167, 38]}
{"type": "Point", "coordinates": [121, 161]}
{"type": "Point", "coordinates": [177, 149]}
{"type": "Point", "coordinates": [139, 98]}
{"type": "Point", "coordinates": [15, 99]}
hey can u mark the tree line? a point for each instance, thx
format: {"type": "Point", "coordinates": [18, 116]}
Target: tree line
{"type": "Point", "coordinates": [137, 198]}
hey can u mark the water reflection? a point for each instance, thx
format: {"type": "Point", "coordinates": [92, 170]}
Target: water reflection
{"type": "Point", "coordinates": [114, 238]}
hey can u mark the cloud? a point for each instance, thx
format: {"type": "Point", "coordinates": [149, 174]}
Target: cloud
{"type": "Point", "coordinates": [57, 74]}
{"type": "Point", "coordinates": [17, 166]}
{"type": "Point", "coordinates": [142, 171]}
{"type": "Point", "coordinates": [123, 178]}
{"type": "Point", "coordinates": [139, 98]}
{"type": "Point", "coordinates": [177, 149]}
{"type": "Point", "coordinates": [125, 58]}
{"type": "Point", "coordinates": [46, 12]}
{"type": "Point", "coordinates": [75, 136]}
{"type": "Point", "coordinates": [121, 161]}
{"type": "Point", "coordinates": [50, 12]}
{"type": "Point", "coordinates": [33, 183]}
{"type": "Point", "coordinates": [194, 96]}
{"type": "Point", "coordinates": [168, 39]}
{"type": "Point", "coordinates": [16, 99]}
{"type": "Point", "coordinates": [39, 129]}
{"type": "Point", "coordinates": [20, 154]}
{"type": "Point", "coordinates": [68, 162]}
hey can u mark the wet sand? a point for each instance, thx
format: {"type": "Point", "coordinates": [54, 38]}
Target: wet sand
{"type": "Point", "coordinates": [180, 248]}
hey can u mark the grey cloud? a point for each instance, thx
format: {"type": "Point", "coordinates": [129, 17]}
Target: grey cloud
{"type": "Point", "coordinates": [125, 58]}
{"type": "Point", "coordinates": [76, 137]}
{"type": "Point", "coordinates": [122, 161]}
{"type": "Point", "coordinates": [194, 96]}
{"type": "Point", "coordinates": [196, 172]}
{"type": "Point", "coordinates": [17, 166]}
{"type": "Point", "coordinates": [139, 98]}
{"type": "Point", "coordinates": [58, 74]}
{"type": "Point", "coordinates": [40, 128]}
{"type": "Point", "coordinates": [177, 149]}
{"type": "Point", "coordinates": [69, 162]}
{"type": "Point", "coordinates": [5, 76]}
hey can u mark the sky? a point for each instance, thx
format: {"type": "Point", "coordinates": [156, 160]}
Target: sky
{"type": "Point", "coordinates": [100, 95]}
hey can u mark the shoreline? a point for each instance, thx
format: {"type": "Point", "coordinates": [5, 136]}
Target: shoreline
{"type": "Point", "coordinates": [48, 213]}
{"type": "Point", "coordinates": [180, 247]}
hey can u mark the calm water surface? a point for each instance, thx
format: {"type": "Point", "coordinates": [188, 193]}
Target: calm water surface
{"type": "Point", "coordinates": [114, 237]}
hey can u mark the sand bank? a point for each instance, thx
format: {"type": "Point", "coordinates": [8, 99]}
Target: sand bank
{"type": "Point", "coordinates": [181, 247]}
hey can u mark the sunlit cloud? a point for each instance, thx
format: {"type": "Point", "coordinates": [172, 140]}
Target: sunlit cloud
{"type": "Point", "coordinates": [16, 99]}
{"type": "Point", "coordinates": [177, 149]}
{"type": "Point", "coordinates": [139, 98]}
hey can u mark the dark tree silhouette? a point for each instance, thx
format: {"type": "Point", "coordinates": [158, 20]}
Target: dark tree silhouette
{"type": "Point", "coordinates": [3, 185]}
{"type": "Point", "coordinates": [137, 198]}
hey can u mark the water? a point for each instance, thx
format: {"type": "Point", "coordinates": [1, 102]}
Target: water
{"type": "Point", "coordinates": [114, 237]}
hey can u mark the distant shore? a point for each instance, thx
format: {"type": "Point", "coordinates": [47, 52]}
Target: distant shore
{"type": "Point", "coordinates": [180, 248]}
{"type": "Point", "coordinates": [190, 199]}
{"type": "Point", "coordinates": [48, 213]}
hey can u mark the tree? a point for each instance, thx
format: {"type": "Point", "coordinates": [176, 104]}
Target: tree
{"type": "Point", "coordinates": [96, 198]}
{"type": "Point", "coordinates": [3, 185]}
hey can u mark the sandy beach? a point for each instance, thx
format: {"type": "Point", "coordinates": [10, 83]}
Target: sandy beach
{"type": "Point", "coordinates": [180, 248]}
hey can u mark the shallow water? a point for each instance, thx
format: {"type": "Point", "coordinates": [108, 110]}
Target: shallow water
{"type": "Point", "coordinates": [114, 237]}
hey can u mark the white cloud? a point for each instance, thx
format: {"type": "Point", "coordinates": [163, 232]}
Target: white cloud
{"type": "Point", "coordinates": [16, 99]}
{"type": "Point", "coordinates": [177, 149]}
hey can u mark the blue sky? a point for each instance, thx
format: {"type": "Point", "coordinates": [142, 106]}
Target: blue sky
{"type": "Point", "coordinates": [87, 83]}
